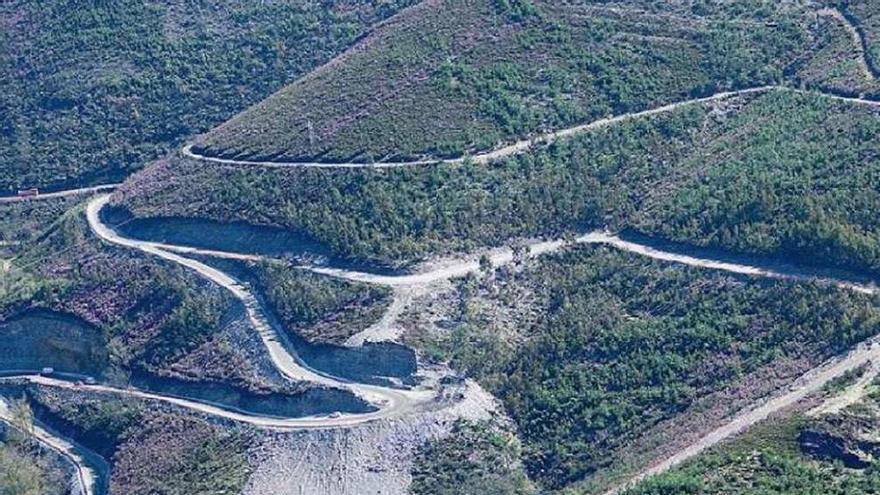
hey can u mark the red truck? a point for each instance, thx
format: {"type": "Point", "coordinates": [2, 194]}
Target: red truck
{"type": "Point", "coordinates": [28, 193]}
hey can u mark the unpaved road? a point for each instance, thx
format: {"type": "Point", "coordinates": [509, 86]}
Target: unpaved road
{"type": "Point", "coordinates": [488, 156]}
{"type": "Point", "coordinates": [393, 402]}
{"type": "Point", "coordinates": [523, 145]}
{"type": "Point", "coordinates": [226, 412]}
{"type": "Point", "coordinates": [405, 285]}
{"type": "Point", "coordinates": [859, 43]}
{"type": "Point", "coordinates": [86, 476]}
{"type": "Point", "coordinates": [782, 273]}
{"type": "Point", "coordinates": [808, 384]}
{"type": "Point", "coordinates": [459, 267]}
{"type": "Point", "coordinates": [851, 395]}
{"type": "Point", "coordinates": [390, 402]}
{"type": "Point", "coordinates": [60, 194]}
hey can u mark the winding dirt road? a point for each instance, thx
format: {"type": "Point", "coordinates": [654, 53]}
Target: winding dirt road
{"type": "Point", "coordinates": [394, 402]}
{"type": "Point", "coordinates": [505, 151]}
{"type": "Point", "coordinates": [858, 41]}
{"type": "Point", "coordinates": [850, 395]}
{"type": "Point", "coordinates": [389, 402]}
{"type": "Point", "coordinates": [459, 267]}
{"type": "Point", "coordinates": [86, 476]}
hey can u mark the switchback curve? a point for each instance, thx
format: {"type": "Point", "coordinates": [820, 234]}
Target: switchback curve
{"type": "Point", "coordinates": [393, 402]}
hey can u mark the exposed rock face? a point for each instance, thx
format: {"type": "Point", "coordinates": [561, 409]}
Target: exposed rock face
{"type": "Point", "coordinates": [374, 458]}
{"type": "Point", "coordinates": [829, 447]}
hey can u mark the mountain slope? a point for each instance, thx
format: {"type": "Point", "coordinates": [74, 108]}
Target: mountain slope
{"type": "Point", "coordinates": [451, 76]}
{"type": "Point", "coordinates": [91, 93]}
{"type": "Point", "coordinates": [802, 186]}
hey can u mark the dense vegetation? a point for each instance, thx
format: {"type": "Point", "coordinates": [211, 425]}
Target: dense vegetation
{"type": "Point", "coordinates": [830, 455]}
{"type": "Point", "coordinates": [452, 76]}
{"type": "Point", "coordinates": [793, 175]}
{"type": "Point", "coordinates": [19, 475]}
{"type": "Point", "coordinates": [783, 173]}
{"type": "Point", "coordinates": [477, 458]}
{"type": "Point", "coordinates": [89, 94]}
{"type": "Point", "coordinates": [624, 343]}
{"type": "Point", "coordinates": [317, 307]}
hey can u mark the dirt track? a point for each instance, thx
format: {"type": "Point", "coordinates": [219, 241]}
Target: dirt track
{"type": "Point", "coordinates": [518, 147]}
{"type": "Point", "coordinates": [390, 402]}
{"type": "Point", "coordinates": [808, 384]}
{"type": "Point", "coordinates": [857, 40]}
{"type": "Point", "coordinates": [395, 402]}
{"type": "Point", "coordinates": [60, 194]}
{"type": "Point", "coordinates": [86, 476]}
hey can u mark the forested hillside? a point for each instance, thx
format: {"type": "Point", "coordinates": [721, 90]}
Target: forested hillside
{"type": "Point", "coordinates": [452, 76]}
{"type": "Point", "coordinates": [282, 328]}
{"type": "Point", "coordinates": [782, 173]}
{"type": "Point", "coordinates": [92, 91]}
{"type": "Point", "coordinates": [628, 353]}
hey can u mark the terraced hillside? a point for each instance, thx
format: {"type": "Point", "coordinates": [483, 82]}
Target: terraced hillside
{"type": "Point", "coordinates": [452, 76]}
{"type": "Point", "coordinates": [91, 93]}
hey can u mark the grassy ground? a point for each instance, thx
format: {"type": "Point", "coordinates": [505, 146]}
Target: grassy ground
{"type": "Point", "coordinates": [92, 93]}
{"type": "Point", "coordinates": [627, 354]}
{"type": "Point", "coordinates": [457, 75]}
